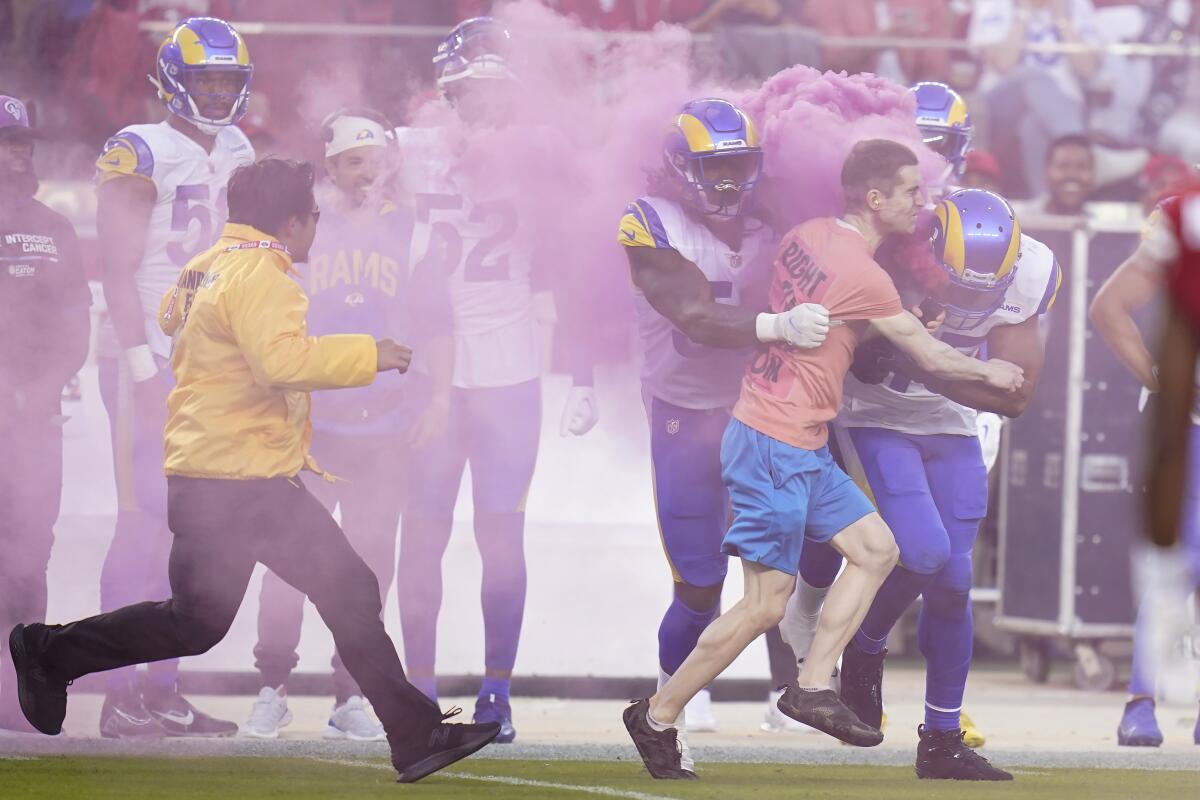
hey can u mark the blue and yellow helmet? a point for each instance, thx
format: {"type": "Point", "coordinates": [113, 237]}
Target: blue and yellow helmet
{"type": "Point", "coordinates": [475, 48]}
{"type": "Point", "coordinates": [944, 122]}
{"type": "Point", "coordinates": [977, 240]}
{"type": "Point", "coordinates": [204, 46]}
{"type": "Point", "coordinates": [713, 150]}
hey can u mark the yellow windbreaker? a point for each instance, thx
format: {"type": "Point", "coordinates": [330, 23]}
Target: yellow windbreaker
{"type": "Point", "coordinates": [244, 365]}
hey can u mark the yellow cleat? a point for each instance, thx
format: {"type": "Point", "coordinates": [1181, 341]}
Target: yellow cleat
{"type": "Point", "coordinates": [972, 736]}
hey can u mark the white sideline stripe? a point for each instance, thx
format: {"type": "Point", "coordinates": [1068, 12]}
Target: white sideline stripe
{"type": "Point", "coordinates": [604, 791]}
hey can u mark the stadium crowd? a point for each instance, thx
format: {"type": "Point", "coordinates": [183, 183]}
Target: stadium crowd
{"type": "Point", "coordinates": [83, 61]}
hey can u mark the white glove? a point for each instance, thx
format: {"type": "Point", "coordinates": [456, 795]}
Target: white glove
{"type": "Point", "coordinates": [804, 326]}
{"type": "Point", "coordinates": [581, 412]}
{"type": "Point", "coordinates": [141, 363]}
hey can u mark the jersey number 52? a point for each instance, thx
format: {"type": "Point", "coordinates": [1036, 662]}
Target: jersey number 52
{"type": "Point", "coordinates": [486, 259]}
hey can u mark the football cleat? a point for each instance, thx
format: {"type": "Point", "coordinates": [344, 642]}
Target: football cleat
{"type": "Point", "coordinates": [180, 718]}
{"type": "Point", "coordinates": [444, 744]}
{"type": "Point", "coordinates": [825, 711]}
{"type": "Point", "coordinates": [1138, 726]}
{"type": "Point", "coordinates": [941, 755]}
{"type": "Point", "coordinates": [862, 684]}
{"type": "Point", "coordinates": [124, 716]}
{"type": "Point", "coordinates": [663, 752]}
{"type": "Point", "coordinates": [972, 736]}
{"type": "Point", "coordinates": [498, 710]}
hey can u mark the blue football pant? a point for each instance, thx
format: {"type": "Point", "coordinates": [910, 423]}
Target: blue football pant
{"type": "Point", "coordinates": [932, 492]}
{"type": "Point", "coordinates": [496, 431]}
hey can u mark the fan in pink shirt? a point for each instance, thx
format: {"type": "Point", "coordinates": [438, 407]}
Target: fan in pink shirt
{"type": "Point", "coordinates": [782, 480]}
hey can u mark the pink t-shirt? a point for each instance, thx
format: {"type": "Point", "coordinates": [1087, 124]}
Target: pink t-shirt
{"type": "Point", "coordinates": [790, 394]}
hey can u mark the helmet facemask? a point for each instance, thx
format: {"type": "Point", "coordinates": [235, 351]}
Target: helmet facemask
{"type": "Point", "coordinates": [718, 184]}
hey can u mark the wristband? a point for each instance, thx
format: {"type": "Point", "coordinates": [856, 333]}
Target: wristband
{"type": "Point", "coordinates": [766, 327]}
{"type": "Point", "coordinates": [141, 363]}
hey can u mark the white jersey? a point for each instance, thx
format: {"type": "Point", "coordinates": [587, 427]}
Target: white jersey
{"type": "Point", "coordinates": [190, 210]}
{"type": "Point", "coordinates": [675, 368]}
{"type": "Point", "coordinates": [901, 404]}
{"type": "Point", "coordinates": [486, 250]}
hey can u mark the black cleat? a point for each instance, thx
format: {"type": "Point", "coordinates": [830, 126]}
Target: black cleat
{"type": "Point", "coordinates": [43, 699]}
{"type": "Point", "coordinates": [446, 743]}
{"type": "Point", "coordinates": [662, 752]}
{"type": "Point", "coordinates": [124, 716]}
{"type": "Point", "coordinates": [180, 718]}
{"type": "Point", "coordinates": [862, 684]}
{"type": "Point", "coordinates": [942, 755]}
{"type": "Point", "coordinates": [826, 712]}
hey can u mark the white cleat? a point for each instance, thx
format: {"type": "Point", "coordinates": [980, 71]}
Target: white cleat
{"type": "Point", "coordinates": [269, 714]}
{"type": "Point", "coordinates": [351, 720]}
{"type": "Point", "coordinates": [698, 714]}
{"type": "Point", "coordinates": [775, 721]}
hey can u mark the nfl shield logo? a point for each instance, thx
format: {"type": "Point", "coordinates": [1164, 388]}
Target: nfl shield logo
{"type": "Point", "coordinates": [735, 260]}
{"type": "Point", "coordinates": [672, 426]}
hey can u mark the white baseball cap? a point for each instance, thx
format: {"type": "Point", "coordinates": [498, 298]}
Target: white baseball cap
{"type": "Point", "coordinates": [347, 132]}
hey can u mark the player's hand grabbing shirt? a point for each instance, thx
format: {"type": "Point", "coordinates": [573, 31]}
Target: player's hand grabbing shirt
{"type": "Point", "coordinates": [790, 394]}
{"type": "Point", "coordinates": [675, 368]}
{"type": "Point", "coordinates": [244, 363]}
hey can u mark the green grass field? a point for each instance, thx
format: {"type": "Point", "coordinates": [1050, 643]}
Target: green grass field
{"type": "Point", "coordinates": [99, 778]}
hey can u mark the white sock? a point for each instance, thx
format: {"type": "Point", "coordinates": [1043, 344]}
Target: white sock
{"type": "Point", "coordinates": [655, 724]}
{"type": "Point", "coordinates": [799, 625]}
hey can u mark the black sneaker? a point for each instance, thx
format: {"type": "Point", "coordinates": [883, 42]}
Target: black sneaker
{"type": "Point", "coordinates": [178, 717]}
{"type": "Point", "coordinates": [862, 684]}
{"type": "Point", "coordinates": [826, 712]}
{"type": "Point", "coordinates": [942, 755]}
{"type": "Point", "coordinates": [124, 716]}
{"type": "Point", "coordinates": [446, 743]}
{"type": "Point", "coordinates": [661, 751]}
{"type": "Point", "coordinates": [43, 699]}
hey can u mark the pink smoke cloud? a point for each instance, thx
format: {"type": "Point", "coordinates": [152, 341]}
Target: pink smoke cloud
{"type": "Point", "coordinates": [589, 120]}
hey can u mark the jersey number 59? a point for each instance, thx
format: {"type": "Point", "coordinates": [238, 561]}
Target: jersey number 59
{"type": "Point", "coordinates": [191, 206]}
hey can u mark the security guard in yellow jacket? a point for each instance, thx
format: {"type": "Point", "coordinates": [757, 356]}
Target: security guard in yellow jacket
{"type": "Point", "coordinates": [237, 437]}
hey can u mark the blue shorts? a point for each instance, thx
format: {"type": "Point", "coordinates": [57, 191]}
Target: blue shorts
{"type": "Point", "coordinates": [782, 495]}
{"type": "Point", "coordinates": [692, 506]}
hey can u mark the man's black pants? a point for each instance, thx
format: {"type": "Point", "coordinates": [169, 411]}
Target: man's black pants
{"type": "Point", "coordinates": [221, 528]}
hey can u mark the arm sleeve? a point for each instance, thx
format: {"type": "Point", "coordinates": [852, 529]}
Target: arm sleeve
{"type": "Point", "coordinates": [641, 226]}
{"type": "Point", "coordinates": [266, 313]}
{"type": "Point", "coordinates": [125, 155]}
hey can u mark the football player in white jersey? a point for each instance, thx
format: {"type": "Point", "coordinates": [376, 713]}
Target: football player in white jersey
{"type": "Point", "coordinates": [913, 442]}
{"type": "Point", "coordinates": [700, 260]}
{"type": "Point", "coordinates": [502, 300]}
{"type": "Point", "coordinates": [160, 200]}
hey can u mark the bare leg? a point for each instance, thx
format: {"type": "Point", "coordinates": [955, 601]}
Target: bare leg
{"type": "Point", "coordinates": [767, 592]}
{"type": "Point", "coordinates": [870, 552]}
